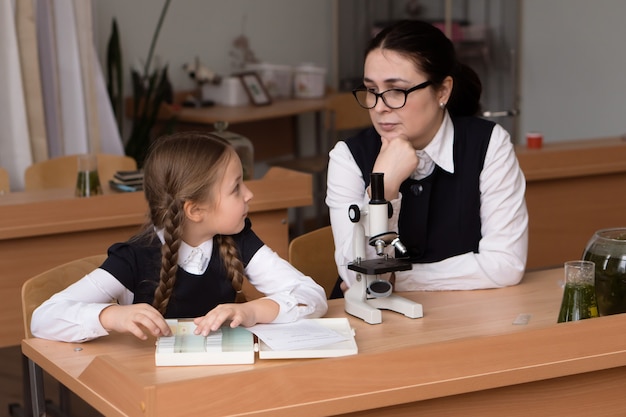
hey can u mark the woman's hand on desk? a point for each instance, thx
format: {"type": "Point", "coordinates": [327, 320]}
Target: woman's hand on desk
{"type": "Point", "coordinates": [136, 319]}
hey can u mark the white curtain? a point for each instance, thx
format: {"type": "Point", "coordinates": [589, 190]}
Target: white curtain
{"type": "Point", "coordinates": [54, 100]}
{"type": "Point", "coordinates": [15, 152]}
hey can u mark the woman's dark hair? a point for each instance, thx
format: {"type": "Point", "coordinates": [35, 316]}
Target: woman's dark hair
{"type": "Point", "coordinates": [434, 55]}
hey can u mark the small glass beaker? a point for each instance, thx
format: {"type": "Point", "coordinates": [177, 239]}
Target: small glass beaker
{"type": "Point", "coordinates": [579, 295]}
{"type": "Point", "coordinates": [87, 181]}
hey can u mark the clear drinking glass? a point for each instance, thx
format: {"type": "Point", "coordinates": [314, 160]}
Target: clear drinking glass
{"type": "Point", "coordinates": [579, 295]}
{"type": "Point", "coordinates": [87, 181]}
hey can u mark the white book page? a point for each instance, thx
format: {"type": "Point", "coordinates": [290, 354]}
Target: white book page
{"type": "Point", "coordinates": [302, 334]}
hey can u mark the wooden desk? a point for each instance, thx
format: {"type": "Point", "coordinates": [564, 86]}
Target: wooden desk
{"type": "Point", "coordinates": [573, 189]}
{"type": "Point", "coordinates": [464, 357]}
{"type": "Point", "coordinates": [272, 129]}
{"type": "Point", "coordinates": [43, 229]}
{"type": "Point", "coordinates": [250, 113]}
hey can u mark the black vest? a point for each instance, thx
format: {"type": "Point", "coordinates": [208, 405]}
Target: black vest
{"type": "Point", "coordinates": [439, 215]}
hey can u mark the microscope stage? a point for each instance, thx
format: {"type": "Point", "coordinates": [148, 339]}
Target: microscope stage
{"type": "Point", "coordinates": [380, 266]}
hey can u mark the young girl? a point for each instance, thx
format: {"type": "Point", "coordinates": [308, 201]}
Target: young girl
{"type": "Point", "coordinates": [188, 262]}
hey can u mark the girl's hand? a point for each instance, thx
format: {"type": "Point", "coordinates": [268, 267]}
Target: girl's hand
{"type": "Point", "coordinates": [138, 319]}
{"type": "Point", "coordinates": [239, 314]}
{"type": "Point", "coordinates": [397, 160]}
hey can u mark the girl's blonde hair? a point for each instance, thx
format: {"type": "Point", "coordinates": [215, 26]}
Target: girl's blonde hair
{"type": "Point", "coordinates": [186, 166]}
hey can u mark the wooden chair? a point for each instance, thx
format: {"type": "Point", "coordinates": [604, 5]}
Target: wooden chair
{"type": "Point", "coordinates": [313, 253]}
{"type": "Point", "coordinates": [61, 172]}
{"type": "Point", "coordinates": [5, 185]}
{"type": "Point", "coordinates": [39, 288]}
{"type": "Point", "coordinates": [35, 291]}
{"type": "Point", "coordinates": [344, 117]}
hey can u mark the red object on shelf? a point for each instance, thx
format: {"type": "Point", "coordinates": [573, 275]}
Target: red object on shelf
{"type": "Point", "coordinates": [534, 140]}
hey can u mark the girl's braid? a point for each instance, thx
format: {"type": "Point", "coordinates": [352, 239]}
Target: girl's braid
{"type": "Point", "coordinates": [232, 263]}
{"type": "Point", "coordinates": [172, 223]}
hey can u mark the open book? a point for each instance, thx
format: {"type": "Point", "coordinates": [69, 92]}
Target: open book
{"type": "Point", "coordinates": [309, 338]}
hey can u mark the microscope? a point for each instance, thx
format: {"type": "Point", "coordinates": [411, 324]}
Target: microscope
{"type": "Point", "coordinates": [370, 293]}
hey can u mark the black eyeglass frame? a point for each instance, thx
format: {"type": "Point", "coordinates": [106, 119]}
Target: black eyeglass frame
{"type": "Point", "coordinates": [381, 95]}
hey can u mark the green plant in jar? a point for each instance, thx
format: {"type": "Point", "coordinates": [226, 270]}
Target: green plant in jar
{"type": "Point", "coordinates": [607, 249]}
{"type": "Point", "coordinates": [88, 184]}
{"type": "Point", "coordinates": [579, 303]}
{"type": "Point", "coordinates": [579, 296]}
{"type": "Point", "coordinates": [87, 180]}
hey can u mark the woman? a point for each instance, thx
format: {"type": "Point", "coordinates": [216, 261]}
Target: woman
{"type": "Point", "coordinates": [452, 178]}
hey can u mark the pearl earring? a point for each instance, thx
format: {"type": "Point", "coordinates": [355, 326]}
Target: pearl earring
{"type": "Point", "coordinates": [442, 105]}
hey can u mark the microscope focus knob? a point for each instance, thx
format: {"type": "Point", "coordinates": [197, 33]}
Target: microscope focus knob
{"type": "Point", "coordinates": [354, 213]}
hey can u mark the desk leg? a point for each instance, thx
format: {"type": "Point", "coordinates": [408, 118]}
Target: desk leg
{"type": "Point", "coordinates": [35, 393]}
{"type": "Point", "coordinates": [27, 407]}
{"type": "Point", "coordinates": [322, 141]}
{"type": "Point", "coordinates": [321, 149]}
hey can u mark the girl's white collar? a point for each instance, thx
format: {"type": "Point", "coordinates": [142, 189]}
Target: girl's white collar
{"type": "Point", "coordinates": [194, 260]}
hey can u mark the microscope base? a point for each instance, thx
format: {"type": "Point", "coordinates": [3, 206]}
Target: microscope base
{"type": "Point", "coordinates": [362, 310]}
{"type": "Point", "coordinates": [368, 310]}
{"type": "Point", "coordinates": [394, 302]}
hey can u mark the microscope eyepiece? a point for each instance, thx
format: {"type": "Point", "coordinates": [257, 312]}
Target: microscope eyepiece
{"type": "Point", "coordinates": [377, 188]}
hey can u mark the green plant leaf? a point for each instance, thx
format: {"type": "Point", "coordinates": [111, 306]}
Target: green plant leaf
{"type": "Point", "coordinates": [114, 75]}
{"type": "Point", "coordinates": [150, 91]}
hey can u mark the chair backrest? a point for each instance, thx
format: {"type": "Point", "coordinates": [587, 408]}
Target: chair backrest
{"type": "Point", "coordinates": [39, 288]}
{"type": "Point", "coordinates": [61, 172]}
{"type": "Point", "coordinates": [5, 185]}
{"type": "Point", "coordinates": [344, 118]}
{"type": "Point", "coordinates": [346, 114]}
{"type": "Point", "coordinates": [313, 253]}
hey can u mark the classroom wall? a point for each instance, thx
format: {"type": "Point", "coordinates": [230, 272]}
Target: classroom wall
{"type": "Point", "coordinates": [573, 54]}
{"type": "Point", "coordinates": [286, 32]}
{"type": "Point", "coordinates": [573, 72]}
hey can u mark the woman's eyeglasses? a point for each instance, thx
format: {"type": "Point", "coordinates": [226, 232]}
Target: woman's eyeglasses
{"type": "Point", "coordinates": [394, 98]}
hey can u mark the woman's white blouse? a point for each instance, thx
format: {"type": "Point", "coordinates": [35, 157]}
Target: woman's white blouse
{"type": "Point", "coordinates": [502, 251]}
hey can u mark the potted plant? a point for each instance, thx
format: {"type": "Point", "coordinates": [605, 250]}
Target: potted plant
{"type": "Point", "coordinates": [151, 90]}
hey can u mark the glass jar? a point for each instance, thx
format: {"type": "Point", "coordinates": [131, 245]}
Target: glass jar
{"type": "Point", "coordinates": [87, 179]}
{"type": "Point", "coordinates": [579, 297]}
{"type": "Point", "coordinates": [242, 145]}
{"type": "Point", "coordinates": [607, 249]}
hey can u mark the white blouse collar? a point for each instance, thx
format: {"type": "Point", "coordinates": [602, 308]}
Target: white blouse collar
{"type": "Point", "coordinates": [438, 151]}
{"type": "Point", "coordinates": [194, 260]}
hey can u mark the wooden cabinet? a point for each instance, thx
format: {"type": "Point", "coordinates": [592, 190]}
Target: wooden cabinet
{"type": "Point", "coordinates": [573, 189]}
